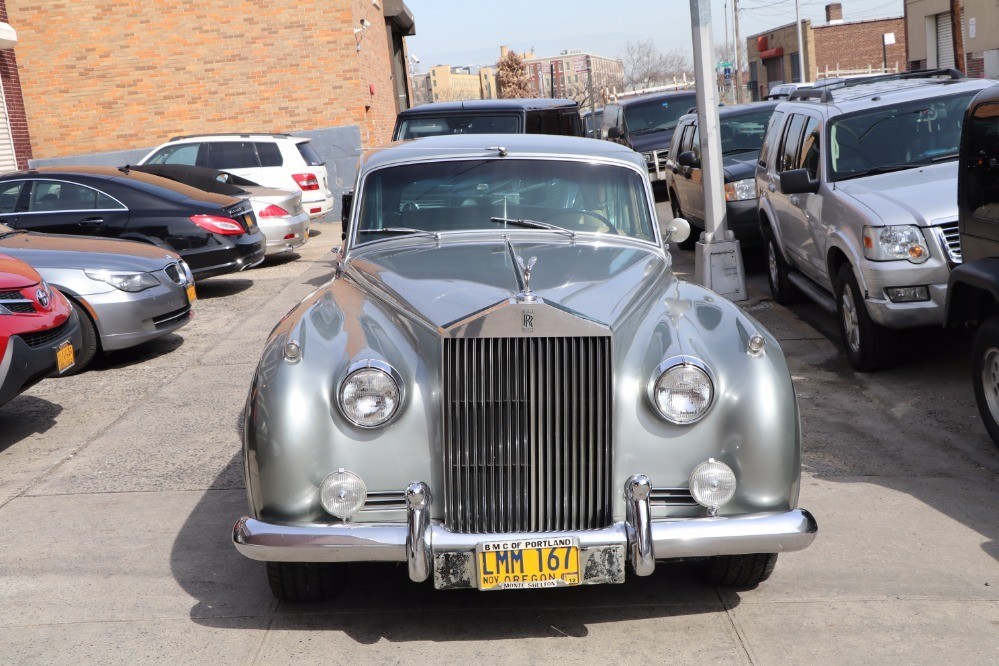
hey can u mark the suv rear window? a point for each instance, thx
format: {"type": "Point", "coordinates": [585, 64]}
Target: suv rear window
{"type": "Point", "coordinates": [308, 153]}
{"type": "Point", "coordinates": [270, 154]}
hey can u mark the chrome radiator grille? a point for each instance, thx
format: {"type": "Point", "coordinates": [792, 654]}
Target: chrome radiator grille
{"type": "Point", "coordinates": [527, 434]}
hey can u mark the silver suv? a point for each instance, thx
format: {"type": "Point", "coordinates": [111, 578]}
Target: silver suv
{"type": "Point", "coordinates": [858, 203]}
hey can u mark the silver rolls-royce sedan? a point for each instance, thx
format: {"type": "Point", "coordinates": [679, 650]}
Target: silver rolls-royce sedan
{"type": "Point", "coordinates": [125, 292]}
{"type": "Point", "coordinates": [504, 386]}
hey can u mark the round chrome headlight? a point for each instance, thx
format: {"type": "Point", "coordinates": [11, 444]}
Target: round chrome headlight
{"type": "Point", "coordinates": [371, 393]}
{"type": "Point", "coordinates": [682, 390]}
{"type": "Point", "coordinates": [342, 494]}
{"type": "Point", "coordinates": [712, 484]}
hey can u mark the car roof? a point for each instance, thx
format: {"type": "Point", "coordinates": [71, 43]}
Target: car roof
{"type": "Point", "coordinates": [654, 97]}
{"type": "Point", "coordinates": [488, 146]}
{"type": "Point", "coordinates": [737, 109]}
{"type": "Point", "coordinates": [118, 174]}
{"type": "Point", "coordinates": [230, 136]}
{"type": "Point", "coordinates": [491, 105]}
{"type": "Point", "coordinates": [857, 95]}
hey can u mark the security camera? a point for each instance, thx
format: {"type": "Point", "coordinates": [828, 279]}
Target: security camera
{"type": "Point", "coordinates": [365, 23]}
{"type": "Point", "coordinates": [414, 58]}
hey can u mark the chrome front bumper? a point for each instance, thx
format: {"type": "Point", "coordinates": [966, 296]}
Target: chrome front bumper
{"type": "Point", "coordinates": [426, 546]}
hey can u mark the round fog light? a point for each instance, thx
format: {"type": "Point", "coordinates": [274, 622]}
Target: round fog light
{"type": "Point", "coordinates": [342, 494]}
{"type": "Point", "coordinates": [712, 484]}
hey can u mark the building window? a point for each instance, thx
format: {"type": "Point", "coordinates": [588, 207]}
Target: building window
{"type": "Point", "coordinates": [795, 68]}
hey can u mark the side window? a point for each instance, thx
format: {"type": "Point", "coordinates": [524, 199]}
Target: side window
{"type": "Point", "coordinates": [980, 181]}
{"type": "Point", "coordinates": [770, 138]}
{"type": "Point", "coordinates": [789, 145]}
{"type": "Point", "coordinates": [231, 155]}
{"type": "Point", "coordinates": [695, 142]}
{"type": "Point", "coordinates": [185, 153]}
{"type": "Point", "coordinates": [551, 122]}
{"type": "Point", "coordinates": [810, 148]}
{"type": "Point", "coordinates": [570, 123]}
{"type": "Point", "coordinates": [533, 123]}
{"type": "Point", "coordinates": [270, 154]}
{"type": "Point", "coordinates": [49, 196]}
{"type": "Point", "coordinates": [674, 145]}
{"type": "Point", "coordinates": [9, 193]}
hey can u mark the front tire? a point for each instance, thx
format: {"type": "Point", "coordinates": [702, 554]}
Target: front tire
{"type": "Point", "coordinates": [305, 582]}
{"type": "Point", "coordinates": [90, 345]}
{"type": "Point", "coordinates": [985, 374]}
{"type": "Point", "coordinates": [869, 346]}
{"type": "Point", "coordinates": [739, 570]}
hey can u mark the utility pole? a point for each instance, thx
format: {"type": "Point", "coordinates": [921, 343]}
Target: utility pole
{"type": "Point", "coordinates": [593, 102]}
{"type": "Point", "coordinates": [717, 257]}
{"type": "Point", "coordinates": [957, 35]}
{"type": "Point", "coordinates": [802, 74]}
{"type": "Point", "coordinates": [738, 57]}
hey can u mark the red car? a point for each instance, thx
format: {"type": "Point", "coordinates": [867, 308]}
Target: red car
{"type": "Point", "coordinates": [39, 331]}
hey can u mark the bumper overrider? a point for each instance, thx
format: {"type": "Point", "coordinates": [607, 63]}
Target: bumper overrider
{"type": "Point", "coordinates": [430, 548]}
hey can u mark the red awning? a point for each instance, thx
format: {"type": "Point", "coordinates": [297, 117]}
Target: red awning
{"type": "Point", "coordinates": [771, 53]}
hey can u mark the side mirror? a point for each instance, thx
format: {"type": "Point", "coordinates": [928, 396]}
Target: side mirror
{"type": "Point", "coordinates": [688, 159]}
{"type": "Point", "coordinates": [346, 202]}
{"type": "Point", "coordinates": [797, 181]}
{"type": "Point", "coordinates": [677, 230]}
{"type": "Point", "coordinates": [614, 133]}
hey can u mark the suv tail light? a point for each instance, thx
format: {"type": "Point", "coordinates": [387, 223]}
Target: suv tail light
{"type": "Point", "coordinates": [307, 181]}
{"type": "Point", "coordinates": [226, 226]}
{"type": "Point", "coordinates": [274, 211]}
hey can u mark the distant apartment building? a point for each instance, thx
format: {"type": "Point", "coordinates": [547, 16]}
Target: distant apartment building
{"type": "Point", "coordinates": [930, 35]}
{"type": "Point", "coordinates": [444, 83]}
{"type": "Point", "coordinates": [567, 74]}
{"type": "Point", "coordinates": [838, 48]}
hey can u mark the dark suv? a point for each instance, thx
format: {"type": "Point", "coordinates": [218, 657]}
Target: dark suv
{"type": "Point", "coordinates": [646, 124]}
{"type": "Point", "coordinates": [490, 116]}
{"type": "Point", "coordinates": [973, 288]}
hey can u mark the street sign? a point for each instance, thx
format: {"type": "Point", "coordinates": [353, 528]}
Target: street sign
{"type": "Point", "coordinates": [579, 65]}
{"type": "Point", "coordinates": [889, 38]}
{"type": "Point", "coordinates": [728, 73]}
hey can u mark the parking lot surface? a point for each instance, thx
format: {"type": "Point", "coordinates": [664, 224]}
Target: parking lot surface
{"type": "Point", "coordinates": [119, 488]}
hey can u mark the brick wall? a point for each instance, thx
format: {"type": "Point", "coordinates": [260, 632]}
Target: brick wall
{"type": "Point", "coordinates": [857, 44]}
{"type": "Point", "coordinates": [15, 101]}
{"type": "Point", "coordinates": [102, 75]}
{"type": "Point", "coordinates": [975, 66]}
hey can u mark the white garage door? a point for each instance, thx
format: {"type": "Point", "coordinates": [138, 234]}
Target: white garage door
{"type": "Point", "coordinates": [7, 160]}
{"type": "Point", "coordinates": [945, 43]}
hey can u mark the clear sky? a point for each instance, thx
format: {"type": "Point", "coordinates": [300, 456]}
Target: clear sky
{"type": "Point", "coordinates": [470, 32]}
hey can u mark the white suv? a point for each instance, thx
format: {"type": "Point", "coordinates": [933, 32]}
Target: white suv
{"type": "Point", "coordinates": [271, 160]}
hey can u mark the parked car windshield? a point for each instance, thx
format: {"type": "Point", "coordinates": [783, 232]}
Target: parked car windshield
{"type": "Point", "coordinates": [744, 132]}
{"type": "Point", "coordinates": [900, 136]}
{"type": "Point", "coordinates": [458, 195]}
{"type": "Point", "coordinates": [656, 115]}
{"type": "Point", "coordinates": [414, 128]}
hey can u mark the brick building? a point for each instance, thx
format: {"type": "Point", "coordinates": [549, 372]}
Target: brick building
{"type": "Point", "coordinates": [565, 75]}
{"type": "Point", "coordinates": [930, 35]}
{"type": "Point", "coordinates": [444, 83]}
{"type": "Point", "coordinates": [86, 77]}
{"type": "Point", "coordinates": [838, 48]}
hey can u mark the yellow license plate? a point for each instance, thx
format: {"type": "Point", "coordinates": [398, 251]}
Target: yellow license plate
{"type": "Point", "coordinates": [249, 222]}
{"type": "Point", "coordinates": [65, 358]}
{"type": "Point", "coordinates": [520, 564]}
{"type": "Point", "coordinates": [192, 295]}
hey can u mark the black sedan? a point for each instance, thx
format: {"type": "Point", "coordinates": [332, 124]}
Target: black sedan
{"type": "Point", "coordinates": [214, 234]}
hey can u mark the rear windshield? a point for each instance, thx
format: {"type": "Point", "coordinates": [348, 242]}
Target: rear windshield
{"type": "Point", "coordinates": [657, 114]}
{"type": "Point", "coordinates": [744, 132]}
{"type": "Point", "coordinates": [309, 154]}
{"type": "Point", "coordinates": [414, 128]}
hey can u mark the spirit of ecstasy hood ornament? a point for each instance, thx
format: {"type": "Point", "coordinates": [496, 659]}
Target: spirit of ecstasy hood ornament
{"type": "Point", "coordinates": [524, 273]}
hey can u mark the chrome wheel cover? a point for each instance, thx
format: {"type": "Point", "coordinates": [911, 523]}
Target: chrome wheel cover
{"type": "Point", "coordinates": [990, 381]}
{"type": "Point", "coordinates": [772, 264]}
{"type": "Point", "coordinates": [848, 315]}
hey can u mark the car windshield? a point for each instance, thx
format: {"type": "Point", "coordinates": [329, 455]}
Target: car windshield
{"type": "Point", "coordinates": [656, 115]}
{"type": "Point", "coordinates": [897, 136]}
{"type": "Point", "coordinates": [460, 195]}
{"type": "Point", "coordinates": [744, 132]}
{"type": "Point", "coordinates": [414, 128]}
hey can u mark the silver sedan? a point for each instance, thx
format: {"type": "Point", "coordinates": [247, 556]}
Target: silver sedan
{"type": "Point", "coordinates": [126, 293]}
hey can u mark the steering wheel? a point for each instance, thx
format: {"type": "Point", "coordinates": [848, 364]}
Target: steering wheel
{"type": "Point", "coordinates": [605, 225]}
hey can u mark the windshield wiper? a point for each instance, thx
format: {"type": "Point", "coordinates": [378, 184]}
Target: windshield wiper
{"type": "Point", "coordinates": [885, 168]}
{"type": "Point", "coordinates": [402, 230]}
{"type": "Point", "coordinates": [948, 156]}
{"type": "Point", "coordinates": [533, 224]}
{"type": "Point", "coordinates": [733, 151]}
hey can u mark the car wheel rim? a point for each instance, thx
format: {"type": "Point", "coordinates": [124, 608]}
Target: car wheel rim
{"type": "Point", "coordinates": [851, 330]}
{"type": "Point", "coordinates": [772, 263]}
{"type": "Point", "coordinates": [990, 381]}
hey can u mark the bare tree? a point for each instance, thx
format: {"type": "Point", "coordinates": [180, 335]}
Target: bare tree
{"type": "Point", "coordinates": [511, 77]}
{"type": "Point", "coordinates": [646, 66]}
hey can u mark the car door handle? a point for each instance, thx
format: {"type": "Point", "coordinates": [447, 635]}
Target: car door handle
{"type": "Point", "coordinates": [91, 222]}
{"type": "Point", "coordinates": [793, 199]}
{"type": "Point", "coordinates": [771, 187]}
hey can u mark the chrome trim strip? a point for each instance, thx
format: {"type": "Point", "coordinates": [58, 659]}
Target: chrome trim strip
{"type": "Point", "coordinates": [418, 556]}
{"type": "Point", "coordinates": [636, 492]}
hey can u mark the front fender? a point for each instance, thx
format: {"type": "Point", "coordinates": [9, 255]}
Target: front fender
{"type": "Point", "coordinates": [972, 292]}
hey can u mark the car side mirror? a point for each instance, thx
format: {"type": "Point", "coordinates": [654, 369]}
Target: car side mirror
{"type": "Point", "coordinates": [614, 133]}
{"type": "Point", "coordinates": [677, 230]}
{"type": "Point", "coordinates": [346, 202]}
{"type": "Point", "coordinates": [797, 181]}
{"type": "Point", "coordinates": [688, 159]}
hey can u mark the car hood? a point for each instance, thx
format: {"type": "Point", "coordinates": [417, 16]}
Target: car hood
{"type": "Point", "coordinates": [914, 196]}
{"type": "Point", "coordinates": [80, 252]}
{"type": "Point", "coordinates": [600, 281]}
{"type": "Point", "coordinates": [658, 140]}
{"type": "Point", "coordinates": [16, 274]}
{"type": "Point", "coordinates": [740, 165]}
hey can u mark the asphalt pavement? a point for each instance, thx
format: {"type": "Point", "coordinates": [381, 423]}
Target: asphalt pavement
{"type": "Point", "coordinates": [119, 488]}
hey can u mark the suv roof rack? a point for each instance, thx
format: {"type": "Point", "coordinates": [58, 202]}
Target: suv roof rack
{"type": "Point", "coordinates": [240, 134]}
{"type": "Point", "coordinates": [825, 94]}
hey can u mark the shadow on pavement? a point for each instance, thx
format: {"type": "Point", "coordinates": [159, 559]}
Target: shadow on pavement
{"type": "Point", "coordinates": [220, 287]}
{"type": "Point", "coordinates": [24, 416]}
{"type": "Point", "coordinates": [123, 358]}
